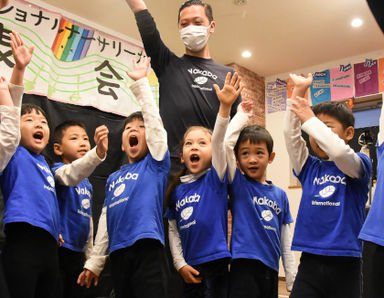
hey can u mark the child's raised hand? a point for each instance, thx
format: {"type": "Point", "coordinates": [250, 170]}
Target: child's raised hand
{"type": "Point", "coordinates": [86, 277]}
{"type": "Point", "coordinates": [231, 89]}
{"type": "Point", "coordinates": [190, 275]}
{"type": "Point", "coordinates": [140, 69]}
{"type": "Point", "coordinates": [20, 53]}
{"type": "Point", "coordinates": [301, 81]}
{"type": "Point", "coordinates": [101, 140]}
{"type": "Point", "coordinates": [61, 241]}
{"type": "Point", "coordinates": [5, 96]}
{"type": "Point", "coordinates": [301, 108]}
{"type": "Point", "coordinates": [246, 107]}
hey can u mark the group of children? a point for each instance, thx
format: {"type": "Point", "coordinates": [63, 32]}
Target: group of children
{"type": "Point", "coordinates": [50, 207]}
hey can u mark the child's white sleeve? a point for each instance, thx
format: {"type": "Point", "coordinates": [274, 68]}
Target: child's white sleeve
{"type": "Point", "coordinates": [9, 133]}
{"type": "Point", "coordinates": [96, 261]}
{"type": "Point", "coordinates": [238, 122]}
{"type": "Point", "coordinates": [287, 255]}
{"type": "Point", "coordinates": [10, 125]}
{"type": "Point", "coordinates": [296, 146]}
{"type": "Point", "coordinates": [155, 134]}
{"type": "Point", "coordinates": [337, 150]}
{"type": "Point", "coordinates": [175, 245]}
{"type": "Point", "coordinates": [380, 136]}
{"type": "Point", "coordinates": [89, 244]}
{"type": "Point", "coordinates": [72, 174]}
{"type": "Point", "coordinates": [219, 160]}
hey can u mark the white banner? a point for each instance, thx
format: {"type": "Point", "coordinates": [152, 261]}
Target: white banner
{"type": "Point", "coordinates": [72, 63]}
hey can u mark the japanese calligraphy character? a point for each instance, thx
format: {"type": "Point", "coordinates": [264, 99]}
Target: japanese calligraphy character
{"type": "Point", "coordinates": [104, 83]}
{"type": "Point", "coordinates": [7, 10]}
{"type": "Point", "coordinates": [21, 14]}
{"type": "Point", "coordinates": [39, 17]}
{"type": "Point", "coordinates": [103, 42]}
{"type": "Point", "coordinates": [119, 51]}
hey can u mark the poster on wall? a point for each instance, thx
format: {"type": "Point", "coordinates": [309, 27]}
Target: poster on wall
{"type": "Point", "coordinates": [72, 63]}
{"type": "Point", "coordinates": [341, 82]}
{"type": "Point", "coordinates": [320, 88]}
{"type": "Point", "coordinates": [366, 78]}
{"type": "Point", "coordinates": [276, 96]}
{"type": "Point", "coordinates": [381, 75]}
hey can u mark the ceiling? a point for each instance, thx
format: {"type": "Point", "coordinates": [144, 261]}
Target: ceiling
{"type": "Point", "coordinates": [282, 35]}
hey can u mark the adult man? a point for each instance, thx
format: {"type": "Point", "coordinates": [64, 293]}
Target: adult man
{"type": "Point", "coordinates": [187, 96]}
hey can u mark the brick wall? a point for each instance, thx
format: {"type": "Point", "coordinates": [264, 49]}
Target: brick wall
{"type": "Point", "coordinates": [254, 88]}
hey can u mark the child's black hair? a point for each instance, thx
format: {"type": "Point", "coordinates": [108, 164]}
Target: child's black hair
{"type": "Point", "coordinates": [337, 110]}
{"type": "Point", "coordinates": [207, 8]}
{"type": "Point", "coordinates": [255, 134]}
{"type": "Point", "coordinates": [60, 129]}
{"type": "Point", "coordinates": [135, 115]}
{"type": "Point", "coordinates": [27, 108]}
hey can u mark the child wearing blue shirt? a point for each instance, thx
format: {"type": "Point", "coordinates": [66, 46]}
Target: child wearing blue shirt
{"type": "Point", "coordinates": [10, 100]}
{"type": "Point", "coordinates": [335, 188]}
{"type": "Point", "coordinates": [260, 213]}
{"type": "Point", "coordinates": [131, 220]}
{"type": "Point", "coordinates": [31, 217]}
{"type": "Point", "coordinates": [372, 232]}
{"type": "Point", "coordinates": [74, 193]}
{"type": "Point", "coordinates": [198, 204]}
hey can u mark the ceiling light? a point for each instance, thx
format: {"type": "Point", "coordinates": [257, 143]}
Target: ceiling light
{"type": "Point", "coordinates": [246, 54]}
{"type": "Point", "coordinates": [356, 22]}
{"type": "Point", "coordinates": [240, 2]}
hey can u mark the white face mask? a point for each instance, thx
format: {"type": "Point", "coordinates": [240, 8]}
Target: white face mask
{"type": "Point", "coordinates": [195, 37]}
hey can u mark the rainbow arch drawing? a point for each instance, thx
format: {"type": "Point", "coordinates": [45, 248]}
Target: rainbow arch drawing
{"type": "Point", "coordinates": [72, 41]}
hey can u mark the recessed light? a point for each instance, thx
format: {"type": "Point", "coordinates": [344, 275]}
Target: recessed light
{"type": "Point", "coordinates": [356, 22]}
{"type": "Point", "coordinates": [246, 54]}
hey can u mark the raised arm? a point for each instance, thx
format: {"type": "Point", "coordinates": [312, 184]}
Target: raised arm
{"type": "Point", "coordinates": [238, 122]}
{"type": "Point", "coordinates": [136, 5]}
{"type": "Point", "coordinates": [72, 174]}
{"type": "Point", "coordinates": [155, 134]}
{"type": "Point", "coordinates": [294, 142]}
{"type": "Point", "coordinates": [227, 96]}
{"type": "Point", "coordinates": [22, 57]}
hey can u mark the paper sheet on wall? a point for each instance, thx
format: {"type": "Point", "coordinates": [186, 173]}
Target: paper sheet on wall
{"type": "Point", "coordinates": [381, 75]}
{"type": "Point", "coordinates": [72, 63]}
{"type": "Point", "coordinates": [366, 78]}
{"type": "Point", "coordinates": [341, 82]}
{"type": "Point", "coordinates": [320, 88]}
{"type": "Point", "coordinates": [276, 96]}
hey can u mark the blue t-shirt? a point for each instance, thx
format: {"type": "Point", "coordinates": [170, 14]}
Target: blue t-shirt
{"type": "Point", "coordinates": [134, 201]}
{"type": "Point", "coordinates": [332, 209]}
{"type": "Point", "coordinates": [75, 204]}
{"type": "Point", "coordinates": [373, 230]}
{"type": "Point", "coordinates": [29, 192]}
{"type": "Point", "coordinates": [201, 212]}
{"type": "Point", "coordinates": [258, 213]}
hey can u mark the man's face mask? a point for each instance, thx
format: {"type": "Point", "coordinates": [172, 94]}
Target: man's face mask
{"type": "Point", "coordinates": [195, 37]}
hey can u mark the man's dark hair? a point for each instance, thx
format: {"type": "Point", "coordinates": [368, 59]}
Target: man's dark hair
{"type": "Point", "coordinates": [255, 134]}
{"type": "Point", "coordinates": [27, 108]}
{"type": "Point", "coordinates": [136, 115]}
{"type": "Point", "coordinates": [60, 129]}
{"type": "Point", "coordinates": [337, 110]}
{"type": "Point", "coordinates": [207, 8]}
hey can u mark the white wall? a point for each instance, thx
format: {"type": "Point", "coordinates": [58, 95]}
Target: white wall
{"type": "Point", "coordinates": [279, 170]}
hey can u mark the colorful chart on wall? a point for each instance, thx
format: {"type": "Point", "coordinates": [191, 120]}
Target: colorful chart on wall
{"type": "Point", "coordinates": [366, 78]}
{"type": "Point", "coordinates": [381, 75]}
{"type": "Point", "coordinates": [72, 62]}
{"type": "Point", "coordinates": [320, 88]}
{"type": "Point", "coordinates": [276, 96]}
{"type": "Point", "coordinates": [341, 82]}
